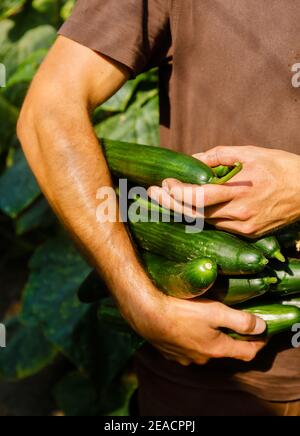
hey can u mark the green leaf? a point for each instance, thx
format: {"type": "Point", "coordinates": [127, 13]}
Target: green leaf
{"type": "Point", "coordinates": [138, 124]}
{"type": "Point", "coordinates": [120, 101]}
{"type": "Point", "coordinates": [48, 7]}
{"type": "Point", "coordinates": [92, 289]}
{"type": "Point", "coordinates": [18, 188]}
{"type": "Point", "coordinates": [66, 10]}
{"type": "Point", "coordinates": [8, 120]}
{"type": "Point", "coordinates": [38, 38]}
{"type": "Point", "coordinates": [76, 395]}
{"type": "Point", "coordinates": [27, 351]}
{"type": "Point", "coordinates": [101, 351]}
{"type": "Point", "coordinates": [27, 69]}
{"type": "Point", "coordinates": [51, 9]}
{"type": "Point", "coordinates": [50, 296]}
{"type": "Point", "coordinates": [50, 300]}
{"type": "Point", "coordinates": [109, 314]}
{"type": "Point", "coordinates": [5, 42]}
{"type": "Point", "coordinates": [39, 215]}
{"type": "Point", "coordinates": [18, 83]}
{"type": "Point", "coordinates": [10, 7]}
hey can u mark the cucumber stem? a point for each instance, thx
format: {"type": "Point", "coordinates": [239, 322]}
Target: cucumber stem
{"type": "Point", "coordinates": [220, 181]}
{"type": "Point", "coordinates": [221, 171]}
{"type": "Point", "coordinates": [270, 280]}
{"type": "Point", "coordinates": [279, 256]}
{"type": "Point", "coordinates": [264, 262]}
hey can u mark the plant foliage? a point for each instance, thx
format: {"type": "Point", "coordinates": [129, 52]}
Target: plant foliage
{"type": "Point", "coordinates": [52, 319]}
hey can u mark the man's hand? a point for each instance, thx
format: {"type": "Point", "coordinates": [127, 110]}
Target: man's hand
{"type": "Point", "coordinates": [190, 331]}
{"type": "Point", "coordinates": [264, 196]}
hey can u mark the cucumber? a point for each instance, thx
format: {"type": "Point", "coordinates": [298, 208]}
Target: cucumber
{"type": "Point", "coordinates": [279, 318]}
{"type": "Point", "coordinates": [270, 247]}
{"type": "Point", "coordinates": [236, 290]}
{"type": "Point", "coordinates": [147, 166]}
{"type": "Point", "coordinates": [181, 280]}
{"type": "Point", "coordinates": [288, 276]}
{"type": "Point", "coordinates": [221, 170]}
{"type": "Point", "coordinates": [291, 302]}
{"type": "Point", "coordinates": [288, 238]}
{"type": "Point", "coordinates": [233, 256]}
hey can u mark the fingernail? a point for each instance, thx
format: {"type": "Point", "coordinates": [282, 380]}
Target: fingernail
{"type": "Point", "coordinates": [165, 186]}
{"type": "Point", "coordinates": [260, 326]}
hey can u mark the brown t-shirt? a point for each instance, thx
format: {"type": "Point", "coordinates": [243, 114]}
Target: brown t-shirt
{"type": "Point", "coordinates": [225, 78]}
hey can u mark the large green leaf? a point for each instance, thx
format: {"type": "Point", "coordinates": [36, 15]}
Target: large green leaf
{"type": "Point", "coordinates": [92, 289]}
{"type": "Point", "coordinates": [27, 69]}
{"type": "Point", "coordinates": [27, 351]}
{"type": "Point", "coordinates": [39, 215]}
{"type": "Point", "coordinates": [138, 124]}
{"type": "Point", "coordinates": [101, 351]}
{"type": "Point", "coordinates": [67, 9]}
{"type": "Point", "coordinates": [50, 296]}
{"type": "Point", "coordinates": [38, 38]}
{"type": "Point", "coordinates": [8, 120]}
{"type": "Point", "coordinates": [5, 42]}
{"type": "Point", "coordinates": [50, 300]}
{"type": "Point", "coordinates": [51, 9]}
{"type": "Point", "coordinates": [76, 395]}
{"type": "Point", "coordinates": [18, 188]}
{"type": "Point", "coordinates": [119, 102]}
{"type": "Point", "coordinates": [10, 7]}
{"type": "Point", "coordinates": [18, 83]}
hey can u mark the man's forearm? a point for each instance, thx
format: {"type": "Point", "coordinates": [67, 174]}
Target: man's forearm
{"type": "Point", "coordinates": [65, 156]}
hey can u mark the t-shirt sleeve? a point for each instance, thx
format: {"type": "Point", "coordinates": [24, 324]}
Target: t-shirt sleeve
{"type": "Point", "coordinates": [135, 33]}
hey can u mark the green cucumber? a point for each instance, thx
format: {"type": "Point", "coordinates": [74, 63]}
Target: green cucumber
{"type": "Point", "coordinates": [233, 256]}
{"type": "Point", "coordinates": [147, 166]}
{"type": "Point", "coordinates": [181, 280]}
{"type": "Point", "coordinates": [279, 318]}
{"type": "Point", "coordinates": [288, 276]}
{"type": "Point", "coordinates": [221, 170]}
{"type": "Point", "coordinates": [288, 238]}
{"type": "Point", "coordinates": [236, 290]}
{"type": "Point", "coordinates": [270, 247]}
{"type": "Point", "coordinates": [291, 302]}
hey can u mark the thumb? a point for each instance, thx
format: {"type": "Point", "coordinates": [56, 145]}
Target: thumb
{"type": "Point", "coordinates": [221, 156]}
{"type": "Point", "coordinates": [243, 322]}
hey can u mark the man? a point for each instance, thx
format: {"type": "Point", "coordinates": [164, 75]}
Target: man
{"type": "Point", "coordinates": [225, 78]}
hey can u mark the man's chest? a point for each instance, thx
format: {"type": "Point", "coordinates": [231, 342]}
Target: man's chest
{"type": "Point", "coordinates": [240, 63]}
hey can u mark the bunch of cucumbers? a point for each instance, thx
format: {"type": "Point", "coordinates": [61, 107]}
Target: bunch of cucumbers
{"type": "Point", "coordinates": [209, 264]}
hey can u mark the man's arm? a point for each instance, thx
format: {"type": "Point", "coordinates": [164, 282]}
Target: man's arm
{"type": "Point", "coordinates": [64, 154]}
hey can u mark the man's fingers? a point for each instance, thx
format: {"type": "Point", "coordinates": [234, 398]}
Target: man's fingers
{"type": "Point", "coordinates": [221, 155]}
{"type": "Point", "coordinates": [162, 197]}
{"type": "Point", "coordinates": [243, 228]}
{"type": "Point", "coordinates": [174, 357]}
{"type": "Point", "coordinates": [242, 350]}
{"type": "Point", "coordinates": [241, 322]}
{"type": "Point", "coordinates": [201, 196]}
